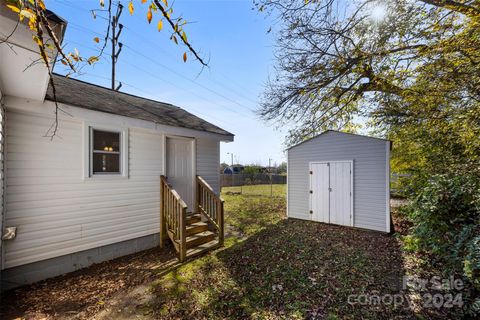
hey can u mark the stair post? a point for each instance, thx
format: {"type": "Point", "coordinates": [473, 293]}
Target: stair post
{"type": "Point", "coordinates": [220, 221]}
{"type": "Point", "coordinates": [198, 193]}
{"type": "Point", "coordinates": [162, 213]}
{"type": "Point", "coordinates": [183, 235]}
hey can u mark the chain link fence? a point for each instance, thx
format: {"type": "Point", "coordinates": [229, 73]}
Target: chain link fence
{"type": "Point", "coordinates": [236, 180]}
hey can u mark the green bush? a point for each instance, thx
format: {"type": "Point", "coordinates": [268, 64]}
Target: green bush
{"type": "Point", "coordinates": [446, 219]}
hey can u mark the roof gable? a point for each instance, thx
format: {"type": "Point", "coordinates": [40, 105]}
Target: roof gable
{"type": "Point", "coordinates": [336, 133]}
{"type": "Point", "coordinates": [89, 96]}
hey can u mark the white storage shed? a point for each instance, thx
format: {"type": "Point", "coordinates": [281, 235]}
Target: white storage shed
{"type": "Point", "coordinates": [340, 178]}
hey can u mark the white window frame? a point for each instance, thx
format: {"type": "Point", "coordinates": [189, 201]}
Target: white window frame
{"type": "Point", "coordinates": [88, 151]}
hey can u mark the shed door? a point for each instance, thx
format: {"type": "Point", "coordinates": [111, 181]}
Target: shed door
{"type": "Point", "coordinates": [340, 202]}
{"type": "Point", "coordinates": [179, 167]}
{"type": "Point", "coordinates": [330, 192]}
{"type": "Point", "coordinates": [319, 194]}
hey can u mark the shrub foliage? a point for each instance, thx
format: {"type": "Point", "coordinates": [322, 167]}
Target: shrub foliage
{"type": "Point", "coordinates": [446, 218]}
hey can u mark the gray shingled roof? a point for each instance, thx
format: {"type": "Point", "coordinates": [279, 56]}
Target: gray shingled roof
{"type": "Point", "coordinates": [89, 96]}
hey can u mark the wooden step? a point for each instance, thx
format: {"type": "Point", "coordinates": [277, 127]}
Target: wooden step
{"type": "Point", "coordinates": [196, 227]}
{"type": "Point", "coordinates": [203, 248]}
{"type": "Point", "coordinates": [199, 238]}
{"type": "Point", "coordinates": [193, 218]}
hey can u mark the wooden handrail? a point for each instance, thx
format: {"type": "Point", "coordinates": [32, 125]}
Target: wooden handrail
{"type": "Point", "coordinates": [211, 206]}
{"type": "Point", "coordinates": [173, 216]}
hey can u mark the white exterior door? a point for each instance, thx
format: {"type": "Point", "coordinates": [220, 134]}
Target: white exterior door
{"type": "Point", "coordinates": [340, 200]}
{"type": "Point", "coordinates": [180, 167]}
{"type": "Point", "coordinates": [319, 191]}
{"type": "Point", "coordinates": [331, 192]}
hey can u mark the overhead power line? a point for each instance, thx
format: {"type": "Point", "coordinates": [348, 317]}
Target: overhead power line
{"type": "Point", "coordinates": [155, 76]}
{"type": "Point", "coordinates": [188, 79]}
{"type": "Point", "coordinates": [81, 28]}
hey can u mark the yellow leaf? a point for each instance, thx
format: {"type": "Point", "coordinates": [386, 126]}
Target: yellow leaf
{"type": "Point", "coordinates": [184, 57]}
{"type": "Point", "coordinates": [143, 1]}
{"type": "Point", "coordinates": [96, 39]}
{"type": "Point", "coordinates": [184, 36]}
{"type": "Point", "coordinates": [149, 15]}
{"type": "Point", "coordinates": [102, 3]}
{"type": "Point", "coordinates": [13, 8]}
{"type": "Point", "coordinates": [160, 25]}
{"type": "Point", "coordinates": [175, 39]}
{"type": "Point", "coordinates": [41, 4]}
{"type": "Point", "coordinates": [165, 2]}
{"type": "Point", "coordinates": [37, 40]}
{"type": "Point", "coordinates": [131, 8]}
{"type": "Point", "coordinates": [92, 59]}
{"type": "Point", "coordinates": [27, 13]}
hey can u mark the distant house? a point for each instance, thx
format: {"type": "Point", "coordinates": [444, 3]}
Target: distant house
{"type": "Point", "coordinates": [236, 169]}
{"type": "Point", "coordinates": [96, 191]}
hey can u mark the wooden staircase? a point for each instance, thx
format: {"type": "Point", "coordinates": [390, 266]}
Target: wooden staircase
{"type": "Point", "coordinates": [192, 234]}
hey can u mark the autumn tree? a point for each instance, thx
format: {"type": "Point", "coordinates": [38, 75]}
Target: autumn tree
{"type": "Point", "coordinates": [397, 63]}
{"type": "Point", "coordinates": [35, 13]}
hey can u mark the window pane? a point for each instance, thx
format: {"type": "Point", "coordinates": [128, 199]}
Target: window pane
{"type": "Point", "coordinates": [106, 141]}
{"type": "Point", "coordinates": [106, 163]}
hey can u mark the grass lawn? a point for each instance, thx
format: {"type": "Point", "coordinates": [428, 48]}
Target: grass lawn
{"type": "Point", "coordinates": [280, 268]}
{"type": "Point", "coordinates": [270, 268]}
{"type": "Point", "coordinates": [257, 190]}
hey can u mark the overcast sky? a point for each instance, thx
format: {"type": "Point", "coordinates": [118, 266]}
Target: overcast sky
{"type": "Point", "coordinates": [228, 33]}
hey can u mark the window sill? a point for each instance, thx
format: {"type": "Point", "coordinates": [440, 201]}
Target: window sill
{"type": "Point", "coordinates": [106, 177]}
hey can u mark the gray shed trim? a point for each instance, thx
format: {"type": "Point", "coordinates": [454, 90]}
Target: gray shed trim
{"type": "Point", "coordinates": [89, 96]}
{"type": "Point", "coordinates": [330, 130]}
{"type": "Point", "coordinates": [370, 157]}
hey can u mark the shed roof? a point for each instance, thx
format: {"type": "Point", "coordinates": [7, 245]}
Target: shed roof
{"type": "Point", "coordinates": [336, 131]}
{"type": "Point", "coordinates": [90, 96]}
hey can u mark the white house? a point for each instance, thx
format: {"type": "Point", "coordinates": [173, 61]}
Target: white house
{"type": "Point", "coordinates": [340, 178]}
{"type": "Point", "coordinates": [94, 192]}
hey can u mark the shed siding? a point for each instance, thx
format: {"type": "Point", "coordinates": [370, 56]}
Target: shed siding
{"type": "Point", "coordinates": [208, 161]}
{"type": "Point", "coordinates": [57, 212]}
{"type": "Point", "coordinates": [369, 160]}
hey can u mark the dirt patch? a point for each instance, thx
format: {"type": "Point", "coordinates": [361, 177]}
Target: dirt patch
{"type": "Point", "coordinates": [84, 293]}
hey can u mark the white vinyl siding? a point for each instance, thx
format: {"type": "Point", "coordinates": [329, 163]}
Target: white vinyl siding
{"type": "Point", "coordinates": [55, 211]}
{"type": "Point", "coordinates": [56, 208]}
{"type": "Point", "coordinates": [369, 169]}
{"type": "Point", "coordinates": [208, 161]}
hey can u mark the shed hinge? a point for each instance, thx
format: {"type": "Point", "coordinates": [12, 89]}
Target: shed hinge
{"type": "Point", "coordinates": [311, 211]}
{"type": "Point", "coordinates": [311, 172]}
{"type": "Point", "coordinates": [311, 191]}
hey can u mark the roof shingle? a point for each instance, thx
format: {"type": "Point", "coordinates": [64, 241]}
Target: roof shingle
{"type": "Point", "coordinates": [89, 96]}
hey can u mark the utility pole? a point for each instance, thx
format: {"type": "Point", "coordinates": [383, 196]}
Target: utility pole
{"type": "Point", "coordinates": [115, 37]}
{"type": "Point", "coordinates": [270, 171]}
